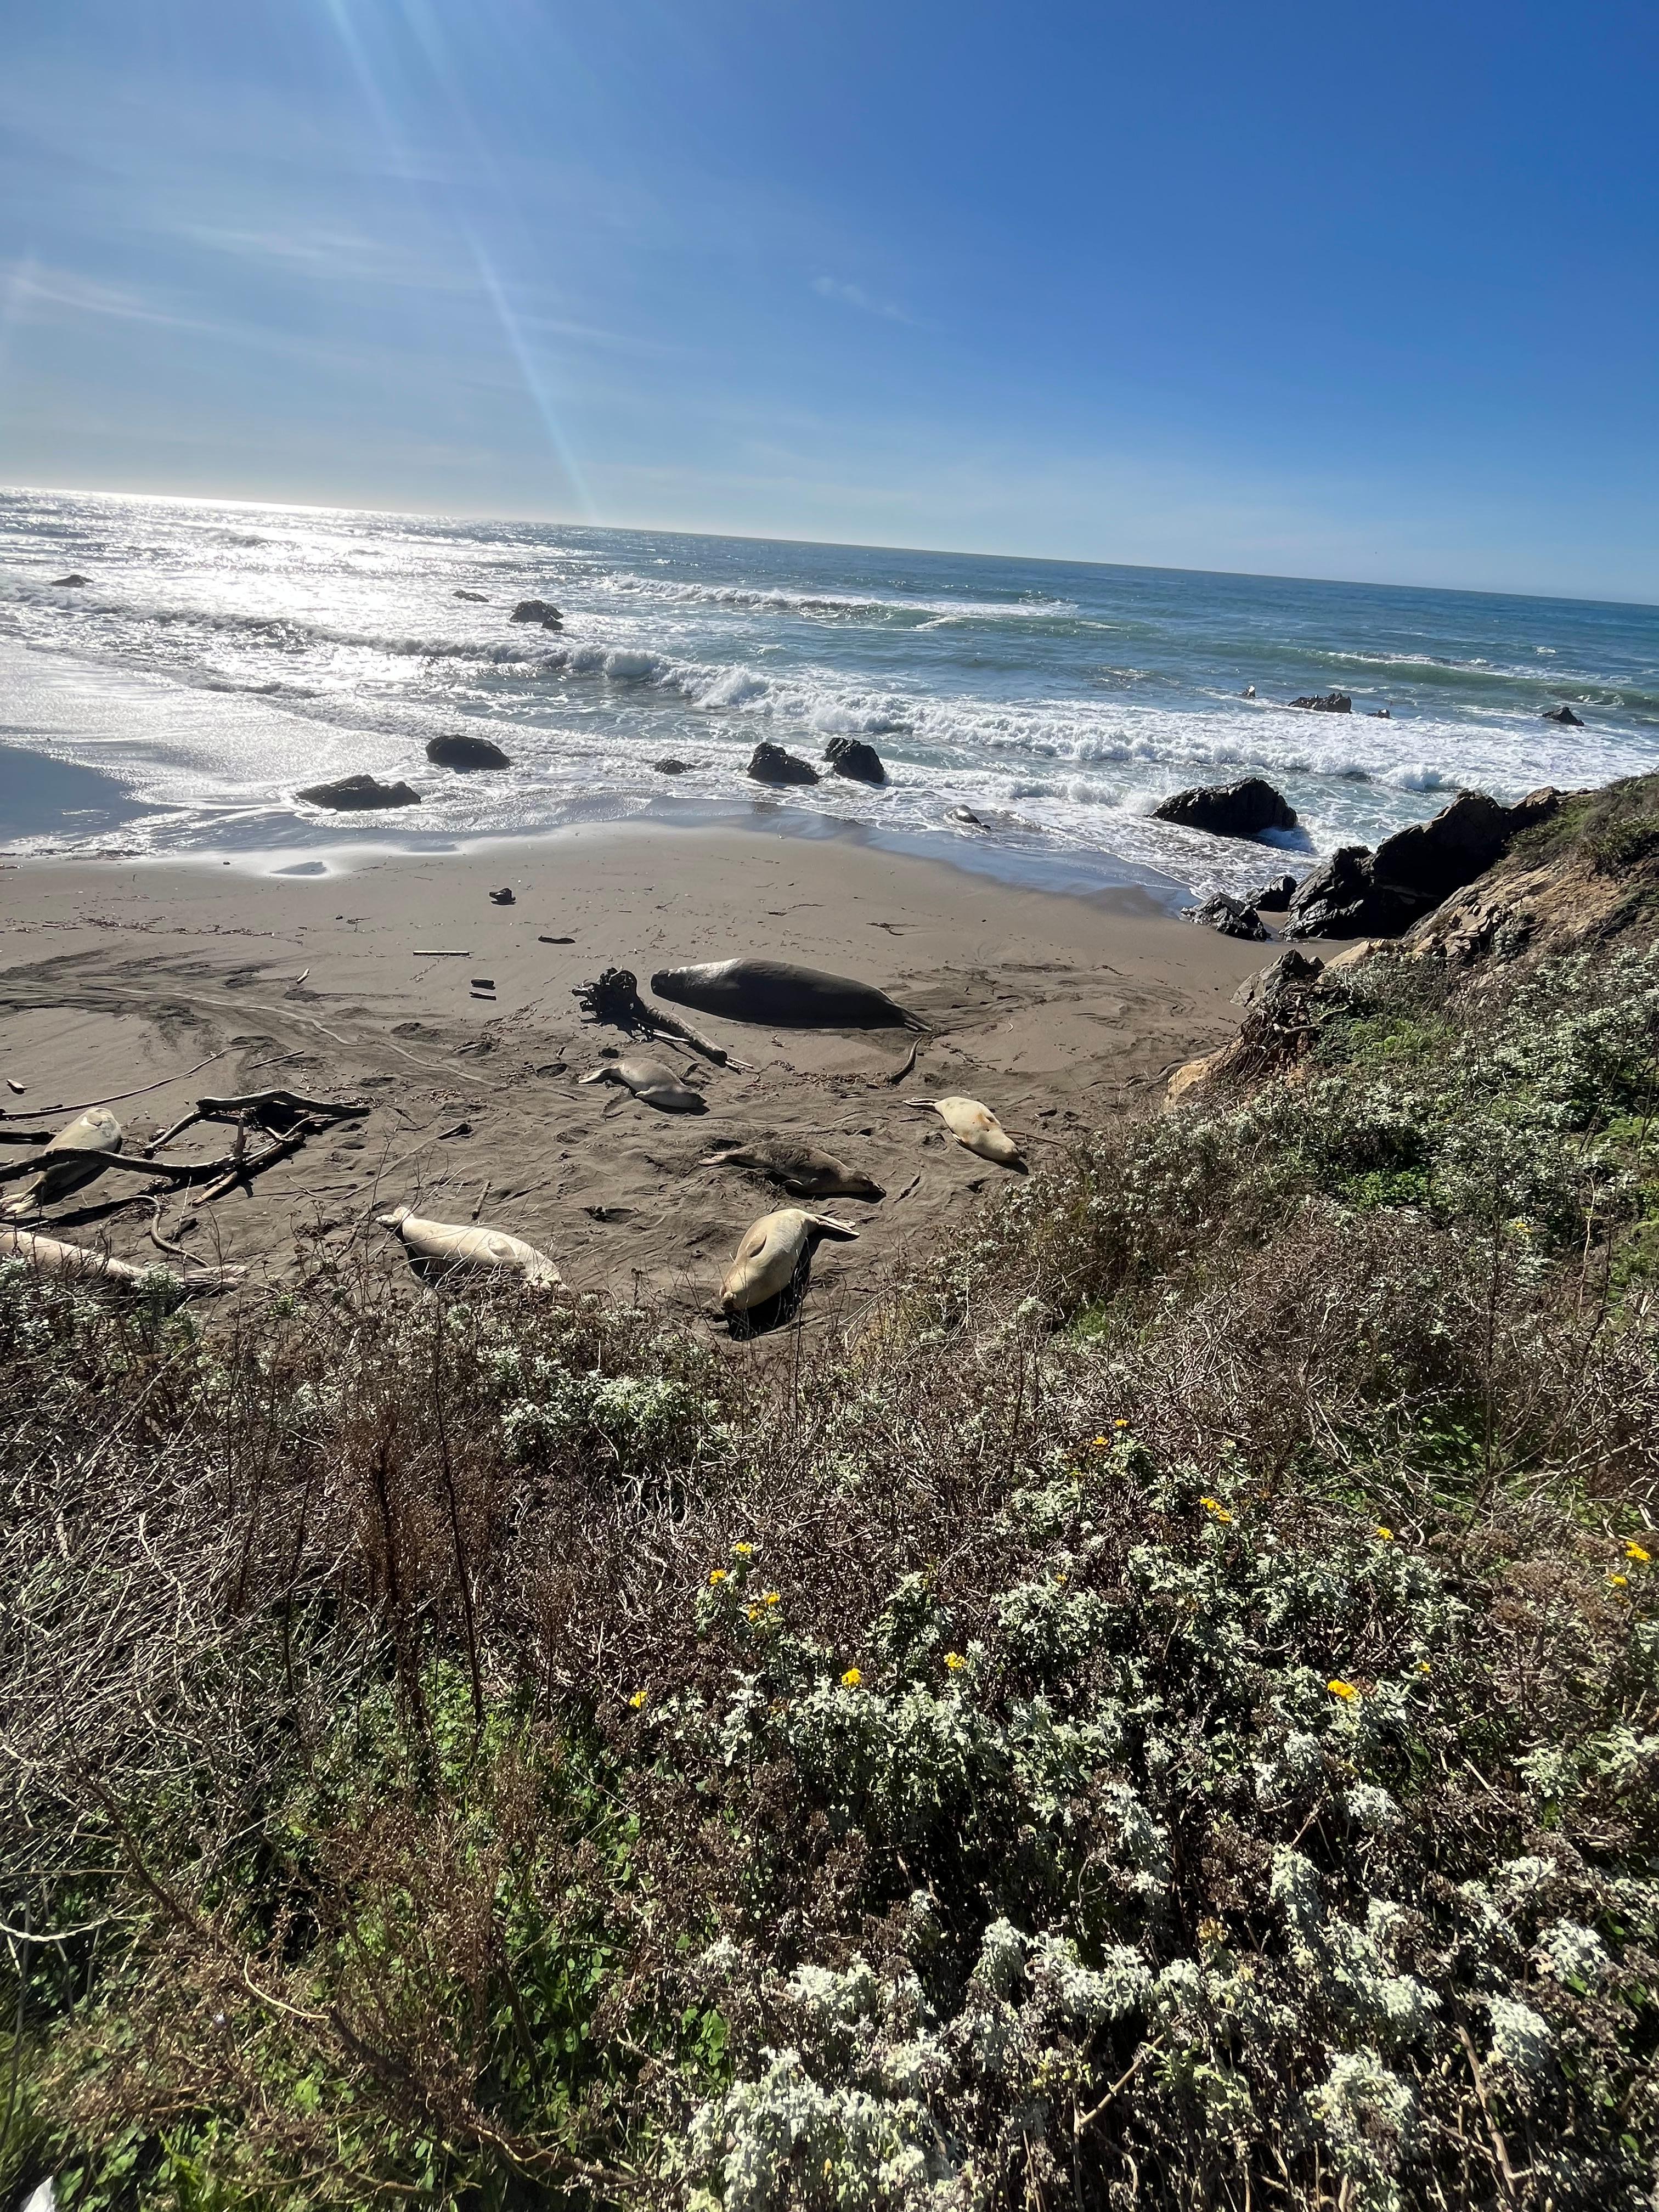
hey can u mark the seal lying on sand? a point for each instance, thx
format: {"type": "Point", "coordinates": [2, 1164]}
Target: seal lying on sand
{"type": "Point", "coordinates": [802, 1170]}
{"type": "Point", "coordinates": [650, 1080]}
{"type": "Point", "coordinates": [773, 1252]}
{"type": "Point", "coordinates": [976, 1127]}
{"type": "Point", "coordinates": [70, 1160]}
{"type": "Point", "coordinates": [777, 991]}
{"type": "Point", "coordinates": [53, 1258]}
{"type": "Point", "coordinates": [442, 1246]}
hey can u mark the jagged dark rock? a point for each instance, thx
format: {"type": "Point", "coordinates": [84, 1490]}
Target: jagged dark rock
{"type": "Point", "coordinates": [671, 767]}
{"type": "Point", "coordinates": [852, 757]}
{"type": "Point", "coordinates": [1230, 916]}
{"type": "Point", "coordinates": [353, 794]}
{"type": "Point", "coordinates": [62, 583]}
{"type": "Point", "coordinates": [1244, 808]}
{"type": "Point", "coordinates": [1289, 973]}
{"type": "Point", "coordinates": [456, 749]}
{"type": "Point", "coordinates": [1327, 703]}
{"type": "Point", "coordinates": [1380, 714]}
{"type": "Point", "coordinates": [1562, 713]}
{"type": "Point", "coordinates": [478, 597]}
{"type": "Point", "coordinates": [538, 611]}
{"type": "Point", "coordinates": [1361, 894]}
{"type": "Point", "coordinates": [770, 764]}
{"type": "Point", "coordinates": [1274, 897]}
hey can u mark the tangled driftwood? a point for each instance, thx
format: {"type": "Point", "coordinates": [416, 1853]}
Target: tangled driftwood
{"type": "Point", "coordinates": [614, 997]}
{"type": "Point", "coordinates": [284, 1115]}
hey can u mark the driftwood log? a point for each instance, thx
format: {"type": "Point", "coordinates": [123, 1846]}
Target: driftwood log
{"type": "Point", "coordinates": [277, 1106]}
{"type": "Point", "coordinates": [614, 997]}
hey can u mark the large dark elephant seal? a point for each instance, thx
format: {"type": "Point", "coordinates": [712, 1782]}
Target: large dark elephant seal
{"type": "Point", "coordinates": [778, 992]}
{"type": "Point", "coordinates": [803, 1170]}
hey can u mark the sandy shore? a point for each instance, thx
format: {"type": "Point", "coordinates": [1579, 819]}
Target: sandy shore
{"type": "Point", "coordinates": [1058, 1011]}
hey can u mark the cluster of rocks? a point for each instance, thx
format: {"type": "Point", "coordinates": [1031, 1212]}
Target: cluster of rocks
{"type": "Point", "coordinates": [1360, 893]}
{"type": "Point", "coordinates": [361, 794]}
{"type": "Point", "coordinates": [849, 756]}
{"type": "Point", "coordinates": [538, 611]}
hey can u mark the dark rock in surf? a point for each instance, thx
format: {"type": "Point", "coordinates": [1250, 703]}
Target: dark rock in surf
{"type": "Point", "coordinates": [1327, 703]}
{"type": "Point", "coordinates": [852, 757]}
{"type": "Point", "coordinates": [1380, 714]}
{"type": "Point", "coordinates": [778, 992]}
{"type": "Point", "coordinates": [770, 764]}
{"type": "Point", "coordinates": [1244, 808]}
{"type": "Point", "coordinates": [354, 794]}
{"type": "Point", "coordinates": [1230, 916]}
{"type": "Point", "coordinates": [672, 767]}
{"type": "Point", "coordinates": [65, 583]}
{"type": "Point", "coordinates": [1562, 713]}
{"type": "Point", "coordinates": [1274, 897]}
{"type": "Point", "coordinates": [477, 597]}
{"type": "Point", "coordinates": [456, 749]}
{"type": "Point", "coordinates": [1249, 692]}
{"type": "Point", "coordinates": [1360, 894]}
{"type": "Point", "coordinates": [538, 611]}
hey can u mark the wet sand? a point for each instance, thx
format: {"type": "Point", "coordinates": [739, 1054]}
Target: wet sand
{"type": "Point", "coordinates": [1058, 1011]}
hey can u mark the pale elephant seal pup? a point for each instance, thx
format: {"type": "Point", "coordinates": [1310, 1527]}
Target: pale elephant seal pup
{"type": "Point", "coordinates": [444, 1245]}
{"type": "Point", "coordinates": [650, 1080]}
{"type": "Point", "coordinates": [977, 1128]}
{"type": "Point", "coordinates": [70, 1160]}
{"type": "Point", "coordinates": [777, 991]}
{"type": "Point", "coordinates": [771, 1254]}
{"type": "Point", "coordinates": [803, 1170]}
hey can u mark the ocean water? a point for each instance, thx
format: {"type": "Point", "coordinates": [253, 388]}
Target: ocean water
{"type": "Point", "coordinates": [218, 657]}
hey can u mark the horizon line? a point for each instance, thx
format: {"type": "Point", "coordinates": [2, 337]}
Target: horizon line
{"type": "Point", "coordinates": [837, 544]}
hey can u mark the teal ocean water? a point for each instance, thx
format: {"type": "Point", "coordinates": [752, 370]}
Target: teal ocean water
{"type": "Point", "coordinates": [218, 657]}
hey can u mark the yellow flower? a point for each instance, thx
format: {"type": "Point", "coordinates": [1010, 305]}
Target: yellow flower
{"type": "Point", "coordinates": [754, 1613]}
{"type": "Point", "coordinates": [1424, 1667]}
{"type": "Point", "coordinates": [851, 1679]}
{"type": "Point", "coordinates": [744, 1551]}
{"type": "Point", "coordinates": [1382, 1536]}
{"type": "Point", "coordinates": [637, 1700]}
{"type": "Point", "coordinates": [718, 1574]}
{"type": "Point", "coordinates": [1633, 1551]}
{"type": "Point", "coordinates": [1102, 1443]}
{"type": "Point", "coordinates": [1620, 1582]}
{"type": "Point", "coordinates": [1121, 1422]}
{"type": "Point", "coordinates": [1346, 1691]}
{"type": "Point", "coordinates": [1215, 1508]}
{"type": "Point", "coordinates": [955, 1661]}
{"type": "Point", "coordinates": [1062, 1579]}
{"type": "Point", "coordinates": [773, 1598]}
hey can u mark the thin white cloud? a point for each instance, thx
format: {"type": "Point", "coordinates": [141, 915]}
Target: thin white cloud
{"type": "Point", "coordinates": [855, 295]}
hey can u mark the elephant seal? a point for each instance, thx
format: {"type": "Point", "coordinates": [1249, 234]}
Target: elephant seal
{"type": "Point", "coordinates": [70, 1160]}
{"type": "Point", "coordinates": [803, 1170]}
{"type": "Point", "coordinates": [776, 991]}
{"type": "Point", "coordinates": [773, 1252]}
{"type": "Point", "coordinates": [650, 1080]}
{"type": "Point", "coordinates": [977, 1128]}
{"type": "Point", "coordinates": [442, 1246]}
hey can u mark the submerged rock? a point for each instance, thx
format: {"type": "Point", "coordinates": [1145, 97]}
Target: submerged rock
{"type": "Point", "coordinates": [351, 794]}
{"type": "Point", "coordinates": [1327, 703]}
{"type": "Point", "coordinates": [852, 757]}
{"type": "Point", "coordinates": [672, 767]}
{"type": "Point", "coordinates": [538, 611]}
{"type": "Point", "coordinates": [1562, 713]}
{"type": "Point", "coordinates": [64, 583]}
{"type": "Point", "coordinates": [456, 749]}
{"type": "Point", "coordinates": [770, 764]}
{"type": "Point", "coordinates": [477, 597]}
{"type": "Point", "coordinates": [1230, 915]}
{"type": "Point", "coordinates": [1244, 808]}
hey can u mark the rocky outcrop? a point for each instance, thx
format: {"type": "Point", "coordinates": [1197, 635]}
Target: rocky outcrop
{"type": "Point", "coordinates": [477, 597]}
{"type": "Point", "coordinates": [669, 766]}
{"type": "Point", "coordinates": [1244, 808]}
{"type": "Point", "coordinates": [852, 757]}
{"type": "Point", "coordinates": [456, 749]}
{"type": "Point", "coordinates": [538, 611]}
{"type": "Point", "coordinates": [1357, 893]}
{"type": "Point", "coordinates": [1290, 972]}
{"type": "Point", "coordinates": [1230, 916]}
{"type": "Point", "coordinates": [1562, 713]}
{"type": "Point", "coordinates": [67, 583]}
{"type": "Point", "coordinates": [1274, 897]}
{"type": "Point", "coordinates": [770, 764]}
{"type": "Point", "coordinates": [355, 794]}
{"type": "Point", "coordinates": [1327, 703]}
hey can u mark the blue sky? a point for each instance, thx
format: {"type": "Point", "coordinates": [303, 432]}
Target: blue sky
{"type": "Point", "coordinates": [1318, 290]}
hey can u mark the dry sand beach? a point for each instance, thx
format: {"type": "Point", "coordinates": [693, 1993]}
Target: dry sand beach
{"type": "Point", "coordinates": [1058, 1011]}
